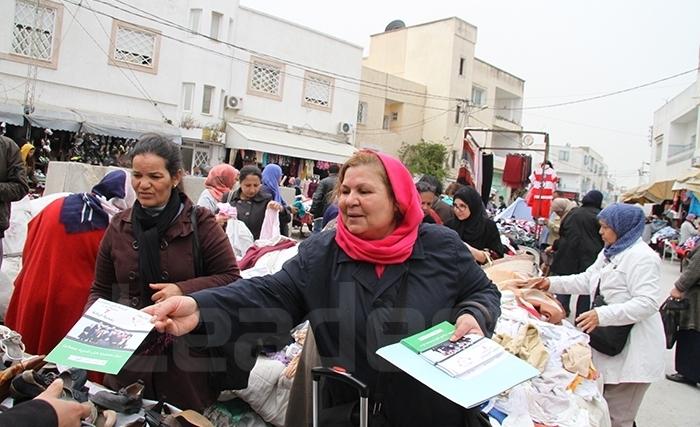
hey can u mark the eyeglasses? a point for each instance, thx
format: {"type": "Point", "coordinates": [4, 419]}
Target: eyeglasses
{"type": "Point", "coordinates": [460, 207]}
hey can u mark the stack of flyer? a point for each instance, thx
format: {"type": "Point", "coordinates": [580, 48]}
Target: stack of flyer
{"type": "Point", "coordinates": [468, 371]}
{"type": "Point", "coordinates": [455, 358]}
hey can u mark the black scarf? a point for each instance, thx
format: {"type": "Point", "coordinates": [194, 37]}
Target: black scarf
{"type": "Point", "coordinates": [472, 229]}
{"type": "Point", "coordinates": [148, 231]}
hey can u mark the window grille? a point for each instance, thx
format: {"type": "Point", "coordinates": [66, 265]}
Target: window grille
{"type": "Point", "coordinates": [317, 90]}
{"type": "Point", "coordinates": [266, 78]}
{"type": "Point", "coordinates": [134, 46]}
{"type": "Point", "coordinates": [33, 31]}
{"type": "Point", "coordinates": [201, 158]}
{"type": "Point", "coordinates": [362, 113]}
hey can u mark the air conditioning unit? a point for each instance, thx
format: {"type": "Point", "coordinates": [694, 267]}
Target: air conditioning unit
{"type": "Point", "coordinates": [233, 102]}
{"type": "Point", "coordinates": [345, 128]}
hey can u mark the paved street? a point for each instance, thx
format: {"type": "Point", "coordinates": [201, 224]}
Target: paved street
{"type": "Point", "coordinates": [670, 404]}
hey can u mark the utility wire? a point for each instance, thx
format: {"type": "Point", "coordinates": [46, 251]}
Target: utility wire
{"type": "Point", "coordinates": [605, 95]}
{"type": "Point", "coordinates": [151, 101]}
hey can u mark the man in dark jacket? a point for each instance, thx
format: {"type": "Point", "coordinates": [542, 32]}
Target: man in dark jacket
{"type": "Point", "coordinates": [435, 186]}
{"type": "Point", "coordinates": [13, 182]}
{"type": "Point", "coordinates": [323, 192]}
{"type": "Point", "coordinates": [579, 244]}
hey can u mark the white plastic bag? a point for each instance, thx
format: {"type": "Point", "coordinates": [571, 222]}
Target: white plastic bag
{"type": "Point", "coordinates": [271, 225]}
{"type": "Point", "coordinates": [239, 236]}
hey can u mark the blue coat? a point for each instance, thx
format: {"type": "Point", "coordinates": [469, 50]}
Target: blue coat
{"type": "Point", "coordinates": [350, 310]}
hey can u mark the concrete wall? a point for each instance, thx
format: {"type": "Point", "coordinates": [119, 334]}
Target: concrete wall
{"type": "Point", "coordinates": [278, 39]}
{"type": "Point", "coordinates": [383, 93]}
{"type": "Point", "coordinates": [674, 124]}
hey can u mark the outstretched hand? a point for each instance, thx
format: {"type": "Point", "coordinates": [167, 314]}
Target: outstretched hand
{"type": "Point", "coordinates": [466, 324]}
{"type": "Point", "coordinates": [68, 413]}
{"type": "Point", "coordinates": [176, 315]}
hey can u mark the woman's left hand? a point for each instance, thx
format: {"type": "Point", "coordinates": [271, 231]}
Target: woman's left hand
{"type": "Point", "coordinates": [466, 324]}
{"type": "Point", "coordinates": [588, 321]}
{"type": "Point", "coordinates": [165, 291]}
{"type": "Point", "coordinates": [274, 205]}
{"type": "Point", "coordinates": [675, 293]}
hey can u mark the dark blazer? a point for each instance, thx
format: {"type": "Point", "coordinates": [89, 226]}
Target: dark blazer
{"type": "Point", "coordinates": [13, 180]}
{"type": "Point", "coordinates": [351, 312]}
{"type": "Point", "coordinates": [252, 212]}
{"type": "Point", "coordinates": [579, 242]}
{"type": "Point", "coordinates": [116, 279]}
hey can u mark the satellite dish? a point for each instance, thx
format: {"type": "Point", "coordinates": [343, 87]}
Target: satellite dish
{"type": "Point", "coordinates": [396, 24]}
{"type": "Point", "coordinates": [527, 140]}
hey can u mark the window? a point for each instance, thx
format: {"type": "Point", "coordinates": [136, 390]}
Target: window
{"type": "Point", "coordinates": [265, 78]}
{"type": "Point", "coordinates": [394, 116]}
{"type": "Point", "coordinates": [135, 47]}
{"type": "Point", "coordinates": [207, 98]}
{"type": "Point", "coordinates": [187, 96]}
{"type": "Point", "coordinates": [458, 113]}
{"type": "Point", "coordinates": [195, 17]}
{"type": "Point", "coordinates": [478, 96]}
{"type": "Point", "coordinates": [461, 66]}
{"type": "Point", "coordinates": [659, 140]}
{"type": "Point", "coordinates": [215, 25]}
{"type": "Point", "coordinates": [362, 113]}
{"type": "Point", "coordinates": [385, 123]}
{"type": "Point", "coordinates": [33, 31]}
{"type": "Point", "coordinates": [318, 91]}
{"type": "Point", "coordinates": [564, 156]}
{"type": "Point", "coordinates": [222, 102]}
{"type": "Point", "coordinates": [586, 160]}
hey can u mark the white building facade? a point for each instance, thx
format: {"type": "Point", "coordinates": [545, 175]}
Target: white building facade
{"type": "Point", "coordinates": [580, 170]}
{"type": "Point", "coordinates": [212, 75]}
{"type": "Point", "coordinates": [674, 145]}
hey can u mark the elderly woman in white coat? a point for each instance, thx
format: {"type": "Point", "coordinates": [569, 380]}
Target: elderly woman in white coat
{"type": "Point", "coordinates": [628, 274]}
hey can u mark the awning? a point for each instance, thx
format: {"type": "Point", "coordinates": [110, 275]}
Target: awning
{"type": "Point", "coordinates": [125, 127]}
{"type": "Point", "coordinates": [691, 181]}
{"type": "Point", "coordinates": [258, 138]}
{"type": "Point", "coordinates": [54, 118]}
{"type": "Point", "coordinates": [11, 114]}
{"type": "Point", "coordinates": [654, 192]}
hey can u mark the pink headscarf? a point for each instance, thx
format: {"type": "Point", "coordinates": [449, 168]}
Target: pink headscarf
{"type": "Point", "coordinates": [397, 246]}
{"type": "Point", "coordinates": [221, 179]}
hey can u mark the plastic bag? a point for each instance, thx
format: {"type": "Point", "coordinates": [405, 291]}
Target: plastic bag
{"type": "Point", "coordinates": [271, 225]}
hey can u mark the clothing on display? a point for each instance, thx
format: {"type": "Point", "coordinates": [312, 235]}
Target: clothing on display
{"type": "Point", "coordinates": [486, 176]}
{"type": "Point", "coordinates": [543, 183]}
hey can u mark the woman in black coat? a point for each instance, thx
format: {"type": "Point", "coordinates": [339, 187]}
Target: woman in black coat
{"type": "Point", "coordinates": [578, 245]}
{"type": "Point", "coordinates": [473, 227]}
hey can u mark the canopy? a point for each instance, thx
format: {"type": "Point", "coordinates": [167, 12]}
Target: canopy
{"type": "Point", "coordinates": [124, 126]}
{"type": "Point", "coordinates": [11, 114]}
{"type": "Point", "coordinates": [517, 210]}
{"type": "Point", "coordinates": [270, 140]}
{"type": "Point", "coordinates": [55, 118]}
{"type": "Point", "coordinates": [654, 192]}
{"type": "Point", "coordinates": [691, 181]}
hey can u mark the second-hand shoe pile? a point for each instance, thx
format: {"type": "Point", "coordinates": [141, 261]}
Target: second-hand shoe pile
{"type": "Point", "coordinates": [23, 377]}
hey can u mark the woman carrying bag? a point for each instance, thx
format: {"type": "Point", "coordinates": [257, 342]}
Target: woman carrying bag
{"type": "Point", "coordinates": [687, 287]}
{"type": "Point", "coordinates": [625, 280]}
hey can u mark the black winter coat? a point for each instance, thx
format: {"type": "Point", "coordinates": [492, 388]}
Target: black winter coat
{"type": "Point", "coordinates": [13, 180]}
{"type": "Point", "coordinates": [351, 312]}
{"type": "Point", "coordinates": [252, 212]}
{"type": "Point", "coordinates": [579, 242]}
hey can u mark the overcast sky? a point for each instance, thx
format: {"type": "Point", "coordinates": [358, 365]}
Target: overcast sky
{"type": "Point", "coordinates": [565, 50]}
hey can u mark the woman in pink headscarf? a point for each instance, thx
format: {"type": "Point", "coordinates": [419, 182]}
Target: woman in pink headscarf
{"type": "Point", "coordinates": [379, 264]}
{"type": "Point", "coordinates": [220, 180]}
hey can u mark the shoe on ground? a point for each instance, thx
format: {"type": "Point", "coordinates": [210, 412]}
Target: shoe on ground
{"type": "Point", "coordinates": [128, 400]}
{"type": "Point", "coordinates": [679, 378]}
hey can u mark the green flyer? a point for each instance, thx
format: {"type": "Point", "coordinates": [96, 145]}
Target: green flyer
{"type": "Point", "coordinates": [103, 339]}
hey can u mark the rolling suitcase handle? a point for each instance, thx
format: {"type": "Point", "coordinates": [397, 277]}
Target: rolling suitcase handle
{"type": "Point", "coordinates": [340, 374]}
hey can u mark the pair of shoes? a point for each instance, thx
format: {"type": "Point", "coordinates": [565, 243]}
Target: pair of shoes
{"type": "Point", "coordinates": [159, 416]}
{"type": "Point", "coordinates": [6, 376]}
{"type": "Point", "coordinates": [127, 400]}
{"type": "Point", "coordinates": [74, 384]}
{"type": "Point", "coordinates": [30, 384]}
{"type": "Point", "coordinates": [11, 346]}
{"type": "Point", "coordinates": [679, 378]}
{"type": "Point", "coordinates": [105, 418]}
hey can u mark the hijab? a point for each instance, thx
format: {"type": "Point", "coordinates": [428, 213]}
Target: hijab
{"type": "Point", "coordinates": [25, 150]}
{"type": "Point", "coordinates": [221, 179]}
{"type": "Point", "coordinates": [83, 212]}
{"type": "Point", "coordinates": [593, 198]}
{"type": "Point", "coordinates": [396, 247]}
{"type": "Point", "coordinates": [627, 221]}
{"type": "Point", "coordinates": [562, 205]}
{"type": "Point", "coordinates": [472, 229]}
{"type": "Point", "coordinates": [271, 176]}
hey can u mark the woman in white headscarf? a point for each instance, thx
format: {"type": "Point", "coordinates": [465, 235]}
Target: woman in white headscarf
{"type": "Point", "coordinates": [59, 262]}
